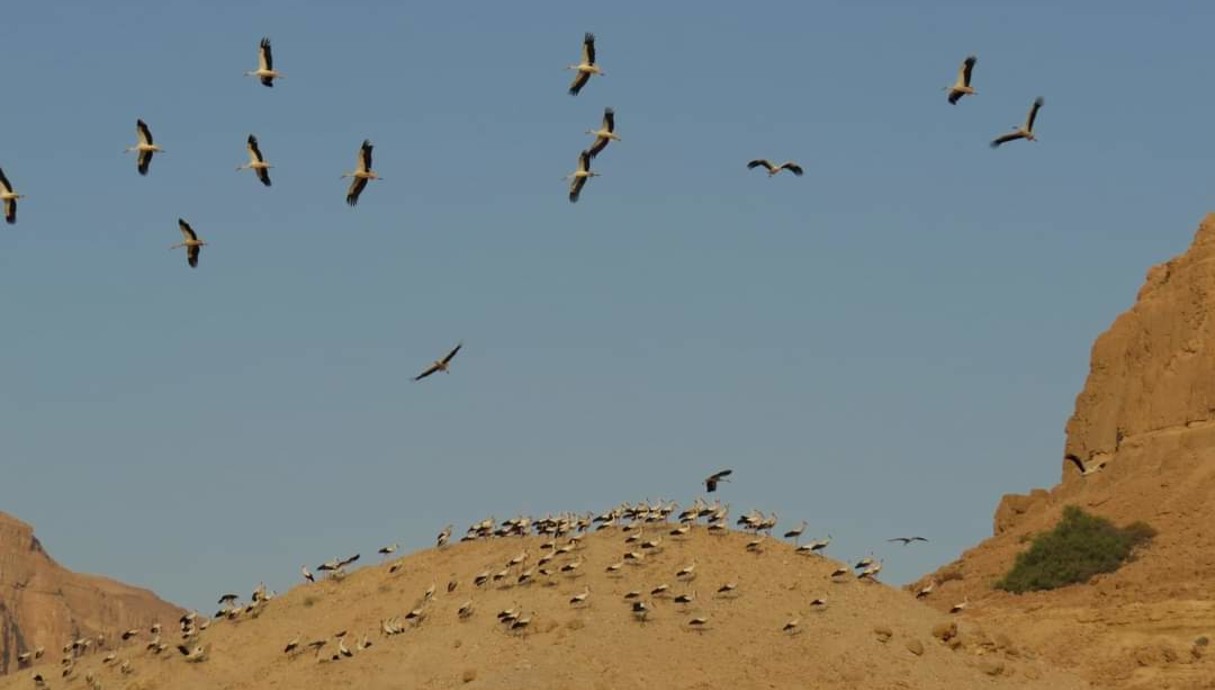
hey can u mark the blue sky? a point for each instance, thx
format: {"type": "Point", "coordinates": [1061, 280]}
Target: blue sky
{"type": "Point", "coordinates": [883, 346]}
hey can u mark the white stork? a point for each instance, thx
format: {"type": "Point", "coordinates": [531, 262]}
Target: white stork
{"type": "Point", "coordinates": [265, 65]}
{"type": "Point", "coordinates": [587, 67]}
{"type": "Point", "coordinates": [190, 241]}
{"type": "Point", "coordinates": [1025, 131]}
{"type": "Point", "coordinates": [361, 174]}
{"type": "Point", "coordinates": [961, 87]}
{"type": "Point", "coordinates": [440, 364]}
{"type": "Point", "coordinates": [145, 148]}
{"type": "Point", "coordinates": [713, 479]}
{"type": "Point", "coordinates": [257, 162]}
{"type": "Point", "coordinates": [579, 177]}
{"type": "Point", "coordinates": [9, 198]}
{"type": "Point", "coordinates": [1085, 470]}
{"type": "Point", "coordinates": [773, 169]}
{"type": "Point", "coordinates": [606, 132]}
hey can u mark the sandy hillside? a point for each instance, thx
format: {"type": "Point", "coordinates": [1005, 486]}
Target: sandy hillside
{"type": "Point", "coordinates": [43, 604]}
{"type": "Point", "coordinates": [868, 635]}
{"type": "Point", "coordinates": [1148, 411]}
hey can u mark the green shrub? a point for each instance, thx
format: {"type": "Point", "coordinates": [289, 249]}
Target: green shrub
{"type": "Point", "coordinates": [1079, 547]}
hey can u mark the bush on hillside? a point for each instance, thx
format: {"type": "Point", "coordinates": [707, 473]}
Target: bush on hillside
{"type": "Point", "coordinates": [1079, 547]}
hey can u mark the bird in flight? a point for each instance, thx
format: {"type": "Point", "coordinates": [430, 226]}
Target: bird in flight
{"type": "Point", "coordinates": [1084, 470]}
{"type": "Point", "coordinates": [190, 241]}
{"type": "Point", "coordinates": [773, 169]}
{"type": "Point", "coordinates": [605, 134]}
{"type": "Point", "coordinates": [265, 65]}
{"type": "Point", "coordinates": [257, 162]}
{"type": "Point", "coordinates": [145, 148]}
{"type": "Point", "coordinates": [1025, 131]}
{"type": "Point", "coordinates": [712, 480]}
{"type": "Point", "coordinates": [9, 197]}
{"type": "Point", "coordinates": [440, 364]}
{"type": "Point", "coordinates": [579, 177]}
{"type": "Point", "coordinates": [961, 87]}
{"type": "Point", "coordinates": [361, 174]}
{"type": "Point", "coordinates": [907, 540]}
{"type": "Point", "coordinates": [585, 68]}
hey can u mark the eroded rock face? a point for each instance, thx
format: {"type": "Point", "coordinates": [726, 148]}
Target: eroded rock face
{"type": "Point", "coordinates": [43, 604]}
{"type": "Point", "coordinates": [1153, 371]}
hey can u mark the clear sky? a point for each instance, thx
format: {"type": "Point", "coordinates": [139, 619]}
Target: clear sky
{"type": "Point", "coordinates": [884, 346]}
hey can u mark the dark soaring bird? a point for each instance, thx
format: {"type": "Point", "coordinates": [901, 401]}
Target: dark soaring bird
{"type": "Point", "coordinates": [773, 169]}
{"type": "Point", "coordinates": [907, 540]}
{"type": "Point", "coordinates": [1025, 131]}
{"type": "Point", "coordinates": [440, 364]}
{"type": "Point", "coordinates": [712, 480]}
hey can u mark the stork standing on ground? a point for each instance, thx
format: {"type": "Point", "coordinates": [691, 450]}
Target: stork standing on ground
{"type": "Point", "coordinates": [773, 169]}
{"type": "Point", "coordinates": [961, 87]}
{"type": "Point", "coordinates": [257, 163]}
{"type": "Point", "coordinates": [145, 148]}
{"type": "Point", "coordinates": [265, 65]}
{"type": "Point", "coordinates": [796, 534]}
{"type": "Point", "coordinates": [362, 173]}
{"type": "Point", "coordinates": [9, 197]}
{"type": "Point", "coordinates": [587, 67]}
{"type": "Point", "coordinates": [1025, 131]}
{"type": "Point", "coordinates": [579, 177]}
{"type": "Point", "coordinates": [440, 365]}
{"type": "Point", "coordinates": [190, 241]}
{"type": "Point", "coordinates": [605, 134]}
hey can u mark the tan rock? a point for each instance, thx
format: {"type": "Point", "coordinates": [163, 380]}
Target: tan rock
{"type": "Point", "coordinates": [883, 632]}
{"type": "Point", "coordinates": [945, 630]}
{"type": "Point", "coordinates": [915, 647]}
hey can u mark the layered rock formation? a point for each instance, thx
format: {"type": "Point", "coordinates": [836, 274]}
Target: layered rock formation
{"type": "Point", "coordinates": [44, 605]}
{"type": "Point", "coordinates": [1147, 413]}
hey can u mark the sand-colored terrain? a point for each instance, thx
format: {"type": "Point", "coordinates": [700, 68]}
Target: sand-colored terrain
{"type": "Point", "coordinates": [44, 604]}
{"type": "Point", "coordinates": [868, 635]}
{"type": "Point", "coordinates": [1148, 411]}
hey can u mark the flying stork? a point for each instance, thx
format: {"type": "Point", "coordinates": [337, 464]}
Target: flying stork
{"type": "Point", "coordinates": [1075, 460]}
{"type": "Point", "coordinates": [961, 87]}
{"type": "Point", "coordinates": [587, 67]}
{"type": "Point", "coordinates": [605, 134]}
{"type": "Point", "coordinates": [1025, 131]}
{"type": "Point", "coordinates": [191, 242]}
{"type": "Point", "coordinates": [440, 364]}
{"type": "Point", "coordinates": [9, 198]}
{"type": "Point", "coordinates": [773, 169]}
{"type": "Point", "coordinates": [265, 65]}
{"type": "Point", "coordinates": [907, 540]}
{"type": "Point", "coordinates": [579, 177]}
{"type": "Point", "coordinates": [257, 163]}
{"type": "Point", "coordinates": [145, 148]}
{"type": "Point", "coordinates": [712, 480]}
{"type": "Point", "coordinates": [361, 174]}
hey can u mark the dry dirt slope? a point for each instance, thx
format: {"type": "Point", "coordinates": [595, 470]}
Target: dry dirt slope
{"type": "Point", "coordinates": [1148, 410]}
{"type": "Point", "coordinates": [43, 604]}
{"type": "Point", "coordinates": [599, 646]}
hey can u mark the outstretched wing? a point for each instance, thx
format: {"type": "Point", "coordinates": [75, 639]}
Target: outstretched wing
{"type": "Point", "coordinates": [968, 66]}
{"type": "Point", "coordinates": [145, 134]}
{"type": "Point", "coordinates": [5, 185]}
{"type": "Point", "coordinates": [356, 188]}
{"type": "Point", "coordinates": [793, 168]}
{"type": "Point", "coordinates": [192, 252]}
{"type": "Point", "coordinates": [263, 174]}
{"type": "Point", "coordinates": [580, 80]}
{"type": "Point", "coordinates": [255, 153]}
{"type": "Point", "coordinates": [588, 48]}
{"type": "Point", "coordinates": [599, 145]}
{"type": "Point", "coordinates": [365, 156]}
{"type": "Point", "coordinates": [429, 370]}
{"type": "Point", "coordinates": [10, 211]}
{"type": "Point", "coordinates": [1033, 113]}
{"type": "Point", "coordinates": [609, 119]}
{"type": "Point", "coordinates": [265, 58]}
{"type": "Point", "coordinates": [759, 162]}
{"type": "Point", "coordinates": [187, 232]}
{"type": "Point", "coordinates": [453, 352]}
{"type": "Point", "coordinates": [143, 161]}
{"type": "Point", "coordinates": [1005, 138]}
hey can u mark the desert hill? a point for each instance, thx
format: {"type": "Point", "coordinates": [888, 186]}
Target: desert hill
{"type": "Point", "coordinates": [1147, 411]}
{"type": "Point", "coordinates": [868, 635]}
{"type": "Point", "coordinates": [44, 605]}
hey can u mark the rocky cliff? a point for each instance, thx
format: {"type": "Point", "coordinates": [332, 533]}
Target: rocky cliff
{"type": "Point", "coordinates": [1146, 418]}
{"type": "Point", "coordinates": [44, 605]}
